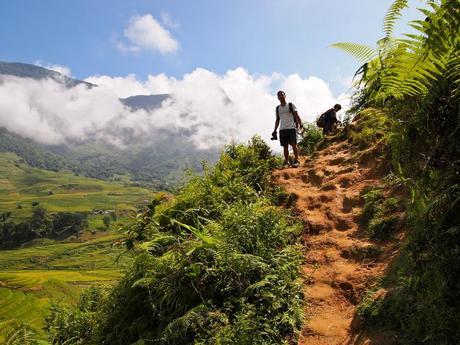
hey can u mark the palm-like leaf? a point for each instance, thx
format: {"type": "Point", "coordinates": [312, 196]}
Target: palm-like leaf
{"type": "Point", "coordinates": [362, 52]}
{"type": "Point", "coordinates": [419, 61]}
{"type": "Point", "coordinates": [393, 14]}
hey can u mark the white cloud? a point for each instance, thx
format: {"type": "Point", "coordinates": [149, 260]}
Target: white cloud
{"type": "Point", "coordinates": [57, 68]}
{"type": "Point", "coordinates": [310, 95]}
{"type": "Point", "coordinates": [47, 111]}
{"type": "Point", "coordinates": [121, 86]}
{"type": "Point", "coordinates": [146, 33]}
{"type": "Point", "coordinates": [212, 109]}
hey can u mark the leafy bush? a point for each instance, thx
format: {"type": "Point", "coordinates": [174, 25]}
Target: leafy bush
{"type": "Point", "coordinates": [415, 82]}
{"type": "Point", "coordinates": [215, 265]}
{"type": "Point", "coordinates": [16, 332]}
{"type": "Point", "coordinates": [74, 326]}
{"type": "Point", "coordinates": [379, 213]}
{"type": "Point", "coordinates": [311, 137]}
{"type": "Point", "coordinates": [370, 306]}
{"type": "Point", "coordinates": [370, 126]}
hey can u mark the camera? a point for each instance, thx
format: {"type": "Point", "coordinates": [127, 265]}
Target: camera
{"type": "Point", "coordinates": [274, 136]}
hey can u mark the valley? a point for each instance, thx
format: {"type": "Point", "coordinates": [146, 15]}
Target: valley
{"type": "Point", "coordinates": [35, 274]}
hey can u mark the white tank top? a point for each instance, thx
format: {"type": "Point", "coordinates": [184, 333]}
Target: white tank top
{"type": "Point", "coordinates": [286, 117]}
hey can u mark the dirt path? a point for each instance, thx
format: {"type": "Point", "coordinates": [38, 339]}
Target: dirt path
{"type": "Point", "coordinates": [340, 261]}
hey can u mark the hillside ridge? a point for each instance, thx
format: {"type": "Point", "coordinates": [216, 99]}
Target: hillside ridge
{"type": "Point", "coordinates": [341, 261]}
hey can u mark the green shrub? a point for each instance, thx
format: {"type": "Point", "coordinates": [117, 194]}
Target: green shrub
{"type": "Point", "coordinates": [216, 263]}
{"type": "Point", "coordinates": [311, 137]}
{"type": "Point", "coordinates": [74, 326]}
{"type": "Point", "coordinates": [414, 82]}
{"type": "Point", "coordinates": [370, 306]}
{"type": "Point", "coordinates": [370, 126]}
{"type": "Point", "coordinates": [379, 213]}
{"type": "Point", "coordinates": [16, 332]}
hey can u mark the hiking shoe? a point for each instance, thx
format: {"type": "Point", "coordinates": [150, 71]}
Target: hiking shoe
{"type": "Point", "coordinates": [295, 164]}
{"type": "Point", "coordinates": [286, 165]}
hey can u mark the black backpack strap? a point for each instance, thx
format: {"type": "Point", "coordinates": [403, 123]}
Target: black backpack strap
{"type": "Point", "coordinates": [278, 110]}
{"type": "Point", "coordinates": [291, 110]}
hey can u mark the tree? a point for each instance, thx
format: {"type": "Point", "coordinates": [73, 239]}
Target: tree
{"type": "Point", "coordinates": [40, 223]}
{"type": "Point", "coordinates": [66, 223]}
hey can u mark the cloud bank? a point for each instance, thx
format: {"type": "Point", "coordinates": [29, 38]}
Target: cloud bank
{"type": "Point", "coordinates": [64, 70]}
{"type": "Point", "coordinates": [209, 108]}
{"type": "Point", "coordinates": [146, 33]}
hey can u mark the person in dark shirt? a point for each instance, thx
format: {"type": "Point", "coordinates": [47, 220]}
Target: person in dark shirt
{"type": "Point", "coordinates": [330, 119]}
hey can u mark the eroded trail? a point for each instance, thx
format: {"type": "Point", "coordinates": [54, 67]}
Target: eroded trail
{"type": "Point", "coordinates": [340, 261]}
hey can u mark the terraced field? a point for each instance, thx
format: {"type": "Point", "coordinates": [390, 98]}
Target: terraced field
{"type": "Point", "coordinates": [22, 185]}
{"type": "Point", "coordinates": [34, 277]}
{"type": "Point", "coordinates": [46, 271]}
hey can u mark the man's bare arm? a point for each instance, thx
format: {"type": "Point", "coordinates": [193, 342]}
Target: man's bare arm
{"type": "Point", "coordinates": [277, 123]}
{"type": "Point", "coordinates": [297, 119]}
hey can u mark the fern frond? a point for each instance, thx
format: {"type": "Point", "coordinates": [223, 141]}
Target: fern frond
{"type": "Point", "coordinates": [393, 14]}
{"type": "Point", "coordinates": [205, 238]}
{"type": "Point", "coordinates": [362, 52]}
{"type": "Point", "coordinates": [420, 61]}
{"type": "Point", "coordinates": [22, 334]}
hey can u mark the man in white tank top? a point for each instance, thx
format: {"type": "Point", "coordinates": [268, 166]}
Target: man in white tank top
{"type": "Point", "coordinates": [288, 120]}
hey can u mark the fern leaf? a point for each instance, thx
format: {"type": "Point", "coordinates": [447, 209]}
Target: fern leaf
{"type": "Point", "coordinates": [362, 52]}
{"type": "Point", "coordinates": [393, 14]}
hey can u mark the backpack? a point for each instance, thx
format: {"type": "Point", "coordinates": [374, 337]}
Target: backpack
{"type": "Point", "coordinates": [320, 120]}
{"type": "Point", "coordinates": [291, 110]}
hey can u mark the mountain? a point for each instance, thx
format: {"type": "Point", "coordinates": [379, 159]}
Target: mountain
{"type": "Point", "coordinates": [146, 102]}
{"type": "Point", "coordinates": [156, 159]}
{"type": "Point", "coordinates": [32, 153]}
{"type": "Point", "coordinates": [24, 70]}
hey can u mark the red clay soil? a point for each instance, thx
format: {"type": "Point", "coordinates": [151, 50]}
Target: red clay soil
{"type": "Point", "coordinates": [339, 261]}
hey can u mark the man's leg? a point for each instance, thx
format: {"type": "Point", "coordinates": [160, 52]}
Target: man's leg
{"type": "Point", "coordinates": [286, 153]}
{"type": "Point", "coordinates": [296, 152]}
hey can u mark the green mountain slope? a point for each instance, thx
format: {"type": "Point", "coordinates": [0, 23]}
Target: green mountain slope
{"type": "Point", "coordinates": [31, 152]}
{"type": "Point", "coordinates": [22, 185]}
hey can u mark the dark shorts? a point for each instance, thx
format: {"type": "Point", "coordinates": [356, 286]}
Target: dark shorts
{"type": "Point", "coordinates": [288, 136]}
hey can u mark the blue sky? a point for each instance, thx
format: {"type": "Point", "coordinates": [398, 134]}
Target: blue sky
{"type": "Point", "coordinates": [262, 36]}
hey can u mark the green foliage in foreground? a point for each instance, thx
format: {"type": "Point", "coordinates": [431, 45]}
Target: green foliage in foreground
{"type": "Point", "coordinates": [216, 265]}
{"type": "Point", "coordinates": [311, 137]}
{"type": "Point", "coordinates": [415, 81]}
{"type": "Point", "coordinates": [379, 213]}
{"type": "Point", "coordinates": [15, 332]}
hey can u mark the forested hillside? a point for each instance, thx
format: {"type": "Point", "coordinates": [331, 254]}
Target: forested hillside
{"type": "Point", "coordinates": [162, 168]}
{"type": "Point", "coordinates": [31, 152]}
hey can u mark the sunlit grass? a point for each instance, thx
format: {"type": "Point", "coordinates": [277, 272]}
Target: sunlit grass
{"type": "Point", "coordinates": [49, 271]}
{"type": "Point", "coordinates": [21, 185]}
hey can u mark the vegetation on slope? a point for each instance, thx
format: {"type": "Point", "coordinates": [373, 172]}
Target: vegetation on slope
{"type": "Point", "coordinates": [33, 277]}
{"type": "Point", "coordinates": [22, 187]}
{"type": "Point", "coordinates": [161, 168]}
{"type": "Point", "coordinates": [30, 152]}
{"type": "Point", "coordinates": [218, 264]}
{"type": "Point", "coordinates": [414, 84]}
